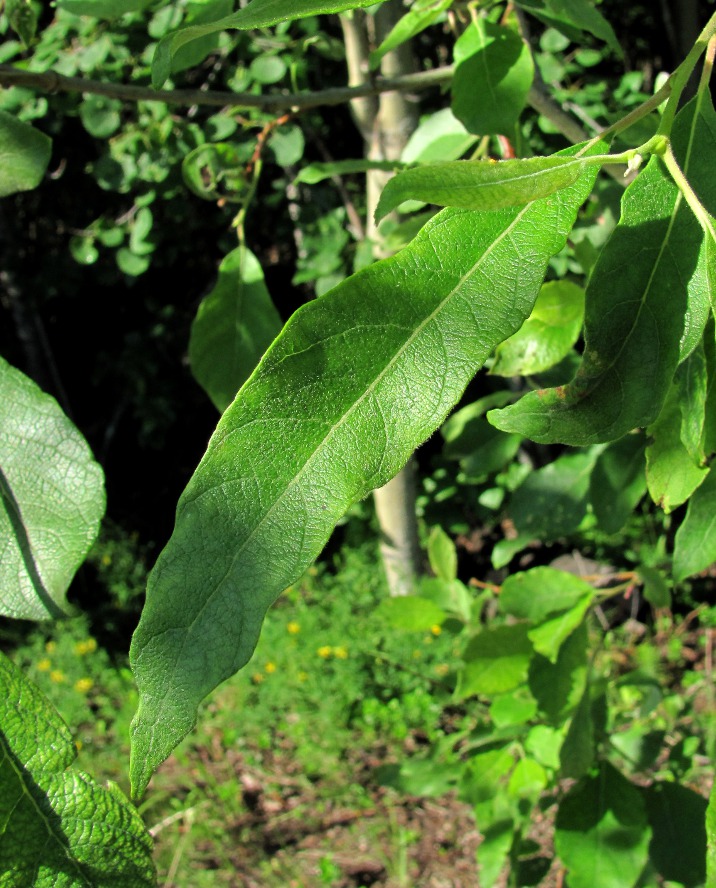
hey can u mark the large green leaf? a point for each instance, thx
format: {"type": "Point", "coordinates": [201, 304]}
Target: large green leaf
{"type": "Point", "coordinates": [493, 75]}
{"type": "Point", "coordinates": [479, 184]}
{"type": "Point", "coordinates": [51, 499]}
{"type": "Point", "coordinates": [646, 300]}
{"type": "Point", "coordinates": [356, 380]}
{"type": "Point", "coordinates": [235, 324]}
{"type": "Point", "coordinates": [602, 835]}
{"type": "Point", "coordinates": [677, 817]}
{"type": "Point", "coordinates": [58, 828]}
{"type": "Point", "coordinates": [24, 155]}
{"type": "Point", "coordinates": [256, 14]}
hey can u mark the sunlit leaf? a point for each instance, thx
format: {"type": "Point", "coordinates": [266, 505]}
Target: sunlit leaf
{"type": "Point", "coordinates": [51, 499]}
{"type": "Point", "coordinates": [648, 282]}
{"type": "Point", "coordinates": [480, 185]}
{"type": "Point", "coordinates": [57, 826]}
{"type": "Point", "coordinates": [24, 155]}
{"type": "Point", "coordinates": [235, 324]}
{"type": "Point", "coordinates": [336, 407]}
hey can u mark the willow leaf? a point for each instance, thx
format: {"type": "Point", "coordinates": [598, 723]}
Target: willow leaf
{"type": "Point", "coordinates": [356, 380]}
{"type": "Point", "coordinates": [256, 14]}
{"type": "Point", "coordinates": [646, 306]}
{"type": "Point", "coordinates": [480, 185]}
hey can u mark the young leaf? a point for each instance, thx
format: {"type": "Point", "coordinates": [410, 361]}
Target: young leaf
{"type": "Point", "coordinates": [356, 380]}
{"type": "Point", "coordinates": [59, 827]}
{"type": "Point", "coordinates": [234, 326]}
{"type": "Point", "coordinates": [547, 336]}
{"type": "Point", "coordinates": [695, 543]}
{"type": "Point", "coordinates": [419, 17]}
{"type": "Point", "coordinates": [313, 173]}
{"type": "Point", "coordinates": [493, 75]}
{"type": "Point", "coordinates": [649, 279]}
{"type": "Point", "coordinates": [24, 155]}
{"type": "Point", "coordinates": [602, 835]}
{"type": "Point", "coordinates": [51, 499]}
{"type": "Point", "coordinates": [442, 555]}
{"type": "Point", "coordinates": [479, 184]}
{"type": "Point", "coordinates": [256, 14]}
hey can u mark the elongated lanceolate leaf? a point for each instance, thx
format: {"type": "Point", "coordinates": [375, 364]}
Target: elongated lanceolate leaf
{"type": "Point", "coordinates": [51, 499]}
{"type": "Point", "coordinates": [646, 306]}
{"type": "Point", "coordinates": [256, 14]}
{"type": "Point", "coordinates": [234, 326]}
{"type": "Point", "coordinates": [356, 380]}
{"type": "Point", "coordinates": [58, 828]}
{"type": "Point", "coordinates": [479, 184]}
{"type": "Point", "coordinates": [24, 155]}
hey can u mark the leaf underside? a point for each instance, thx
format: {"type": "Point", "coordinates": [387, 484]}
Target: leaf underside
{"type": "Point", "coordinates": [356, 380]}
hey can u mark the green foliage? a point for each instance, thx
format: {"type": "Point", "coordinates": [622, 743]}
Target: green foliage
{"type": "Point", "coordinates": [614, 355]}
{"type": "Point", "coordinates": [45, 537]}
{"type": "Point", "coordinates": [59, 826]}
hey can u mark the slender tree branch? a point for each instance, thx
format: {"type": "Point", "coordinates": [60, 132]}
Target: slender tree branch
{"type": "Point", "coordinates": [52, 82]}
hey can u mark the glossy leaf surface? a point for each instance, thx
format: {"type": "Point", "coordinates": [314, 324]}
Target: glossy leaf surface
{"type": "Point", "coordinates": [646, 296]}
{"type": "Point", "coordinates": [235, 324]}
{"type": "Point", "coordinates": [356, 380]}
{"type": "Point", "coordinates": [24, 155]}
{"type": "Point", "coordinates": [479, 184]}
{"type": "Point", "coordinates": [58, 828]}
{"type": "Point", "coordinates": [51, 499]}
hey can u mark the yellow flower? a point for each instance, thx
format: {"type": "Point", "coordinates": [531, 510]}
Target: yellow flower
{"type": "Point", "coordinates": [270, 667]}
{"type": "Point", "coordinates": [51, 647]}
{"type": "Point", "coordinates": [83, 685]}
{"type": "Point", "coordinates": [44, 665]}
{"type": "Point", "coordinates": [257, 678]}
{"type": "Point", "coordinates": [85, 647]}
{"type": "Point", "coordinates": [57, 675]}
{"type": "Point", "coordinates": [442, 669]}
{"type": "Point", "coordinates": [435, 629]}
{"type": "Point", "coordinates": [293, 628]}
{"type": "Point", "coordinates": [325, 651]}
{"type": "Point", "coordinates": [340, 652]}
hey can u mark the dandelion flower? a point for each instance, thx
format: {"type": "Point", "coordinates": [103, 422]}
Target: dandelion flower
{"type": "Point", "coordinates": [270, 667]}
{"type": "Point", "coordinates": [293, 628]}
{"type": "Point", "coordinates": [83, 685]}
{"type": "Point", "coordinates": [44, 665]}
{"type": "Point", "coordinates": [436, 629]}
{"type": "Point", "coordinates": [325, 651]}
{"type": "Point", "coordinates": [57, 675]}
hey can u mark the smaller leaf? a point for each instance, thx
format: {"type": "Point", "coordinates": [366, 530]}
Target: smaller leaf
{"type": "Point", "coordinates": [235, 324]}
{"type": "Point", "coordinates": [419, 17]}
{"type": "Point", "coordinates": [442, 554]}
{"type": "Point", "coordinates": [497, 661]}
{"type": "Point", "coordinates": [313, 173]}
{"type": "Point", "coordinates": [547, 336]}
{"type": "Point", "coordinates": [493, 75]}
{"type": "Point", "coordinates": [671, 474]}
{"type": "Point", "coordinates": [24, 155]}
{"type": "Point", "coordinates": [527, 780]}
{"type": "Point", "coordinates": [481, 185]}
{"type": "Point", "coordinates": [655, 586]}
{"type": "Point", "coordinates": [410, 613]}
{"type": "Point", "coordinates": [538, 594]}
{"type": "Point", "coordinates": [59, 827]}
{"type": "Point", "coordinates": [439, 136]}
{"type": "Point", "coordinates": [695, 543]}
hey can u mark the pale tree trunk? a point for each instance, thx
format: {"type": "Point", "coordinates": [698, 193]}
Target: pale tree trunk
{"type": "Point", "coordinates": [386, 124]}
